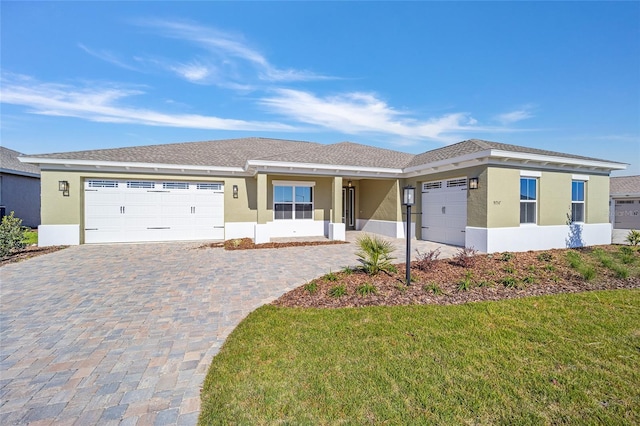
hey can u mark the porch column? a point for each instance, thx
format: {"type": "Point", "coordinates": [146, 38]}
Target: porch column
{"type": "Point", "coordinates": [336, 227]}
{"type": "Point", "coordinates": [262, 234]}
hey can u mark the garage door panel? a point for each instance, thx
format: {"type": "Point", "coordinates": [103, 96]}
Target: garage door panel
{"type": "Point", "coordinates": [129, 211]}
{"type": "Point", "coordinates": [627, 214]}
{"type": "Point", "coordinates": [444, 211]}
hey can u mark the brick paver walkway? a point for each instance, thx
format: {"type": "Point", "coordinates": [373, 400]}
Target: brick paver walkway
{"type": "Point", "coordinates": [124, 334]}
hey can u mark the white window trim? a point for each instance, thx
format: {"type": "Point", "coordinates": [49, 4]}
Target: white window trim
{"type": "Point", "coordinates": [530, 173]}
{"type": "Point", "coordinates": [294, 184]}
{"type": "Point", "coordinates": [583, 202]}
{"type": "Point", "coordinates": [535, 222]}
{"type": "Point", "coordinates": [580, 177]}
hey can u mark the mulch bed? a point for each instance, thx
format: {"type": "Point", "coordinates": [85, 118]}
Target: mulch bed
{"type": "Point", "coordinates": [486, 277]}
{"type": "Point", "coordinates": [248, 244]}
{"type": "Point", "coordinates": [29, 252]}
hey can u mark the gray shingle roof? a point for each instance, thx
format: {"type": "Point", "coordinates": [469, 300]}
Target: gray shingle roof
{"type": "Point", "coordinates": [476, 145]}
{"type": "Point", "coordinates": [624, 185]}
{"type": "Point", "coordinates": [9, 162]}
{"type": "Point", "coordinates": [346, 154]}
{"type": "Point", "coordinates": [221, 153]}
{"type": "Point", "coordinates": [236, 152]}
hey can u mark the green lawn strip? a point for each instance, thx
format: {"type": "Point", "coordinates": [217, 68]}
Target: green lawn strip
{"type": "Point", "coordinates": [31, 237]}
{"type": "Point", "coordinates": [568, 358]}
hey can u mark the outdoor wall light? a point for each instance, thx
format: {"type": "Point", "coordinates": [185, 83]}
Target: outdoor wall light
{"type": "Point", "coordinates": [473, 183]}
{"type": "Point", "coordinates": [235, 191]}
{"type": "Point", "coordinates": [63, 186]}
{"type": "Point", "coordinates": [349, 184]}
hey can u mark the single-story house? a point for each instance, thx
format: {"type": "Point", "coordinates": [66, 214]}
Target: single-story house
{"type": "Point", "coordinates": [19, 188]}
{"type": "Point", "coordinates": [625, 202]}
{"type": "Point", "coordinates": [486, 195]}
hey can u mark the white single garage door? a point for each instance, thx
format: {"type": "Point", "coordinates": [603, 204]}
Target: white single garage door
{"type": "Point", "coordinates": [444, 211]}
{"type": "Point", "coordinates": [143, 210]}
{"type": "Point", "coordinates": [627, 214]}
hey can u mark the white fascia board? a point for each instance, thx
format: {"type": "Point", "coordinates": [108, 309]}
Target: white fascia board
{"type": "Point", "coordinates": [468, 160]}
{"type": "Point", "coordinates": [19, 173]}
{"type": "Point", "coordinates": [623, 195]}
{"type": "Point", "coordinates": [539, 158]}
{"type": "Point", "coordinates": [325, 169]}
{"type": "Point", "coordinates": [61, 164]}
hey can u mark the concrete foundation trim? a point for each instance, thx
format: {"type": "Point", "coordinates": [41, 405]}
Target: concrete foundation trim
{"type": "Point", "coordinates": [58, 235]}
{"type": "Point", "coordinates": [337, 231]}
{"type": "Point", "coordinates": [233, 230]}
{"type": "Point", "coordinates": [388, 228]}
{"type": "Point", "coordinates": [524, 238]}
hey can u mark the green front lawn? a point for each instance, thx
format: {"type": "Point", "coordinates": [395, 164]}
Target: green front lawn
{"type": "Point", "coordinates": [31, 237]}
{"type": "Point", "coordinates": [569, 358]}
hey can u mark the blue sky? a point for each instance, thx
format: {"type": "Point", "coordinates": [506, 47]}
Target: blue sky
{"type": "Point", "coordinates": [410, 76]}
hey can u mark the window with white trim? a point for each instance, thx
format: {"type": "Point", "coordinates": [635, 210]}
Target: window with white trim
{"type": "Point", "coordinates": [292, 202]}
{"type": "Point", "coordinates": [528, 200]}
{"type": "Point", "coordinates": [577, 201]}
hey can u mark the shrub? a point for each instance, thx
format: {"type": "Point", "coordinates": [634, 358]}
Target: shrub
{"type": "Point", "coordinates": [529, 279]}
{"type": "Point", "coordinates": [549, 268]}
{"type": "Point", "coordinates": [465, 257]}
{"type": "Point", "coordinates": [506, 256]}
{"type": "Point", "coordinates": [311, 287]}
{"type": "Point", "coordinates": [347, 270]}
{"type": "Point", "coordinates": [392, 268]}
{"type": "Point", "coordinates": [374, 253]}
{"type": "Point", "coordinates": [484, 283]}
{"type": "Point", "coordinates": [545, 257]}
{"type": "Point", "coordinates": [588, 273]}
{"type": "Point", "coordinates": [466, 283]}
{"type": "Point", "coordinates": [433, 288]}
{"type": "Point", "coordinates": [633, 237]}
{"type": "Point", "coordinates": [366, 289]}
{"type": "Point", "coordinates": [12, 235]}
{"type": "Point", "coordinates": [509, 282]}
{"type": "Point", "coordinates": [509, 269]}
{"type": "Point", "coordinates": [426, 261]}
{"type": "Point", "coordinates": [331, 277]}
{"type": "Point", "coordinates": [338, 291]}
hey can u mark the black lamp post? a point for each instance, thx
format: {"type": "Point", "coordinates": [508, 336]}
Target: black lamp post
{"type": "Point", "coordinates": [408, 199]}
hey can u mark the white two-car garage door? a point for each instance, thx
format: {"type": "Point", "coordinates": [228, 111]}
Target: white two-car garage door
{"type": "Point", "coordinates": [444, 211]}
{"type": "Point", "coordinates": [143, 210]}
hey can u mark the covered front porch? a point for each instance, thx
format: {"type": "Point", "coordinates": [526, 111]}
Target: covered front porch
{"type": "Point", "coordinates": [321, 206]}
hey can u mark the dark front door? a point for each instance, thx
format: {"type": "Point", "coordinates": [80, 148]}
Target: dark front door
{"type": "Point", "coordinates": [349, 208]}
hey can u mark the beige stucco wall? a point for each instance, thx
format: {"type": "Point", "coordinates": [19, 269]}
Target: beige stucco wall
{"type": "Point", "coordinates": [503, 197]}
{"type": "Point", "coordinates": [597, 199]}
{"type": "Point", "coordinates": [554, 198]}
{"type": "Point", "coordinates": [379, 199]}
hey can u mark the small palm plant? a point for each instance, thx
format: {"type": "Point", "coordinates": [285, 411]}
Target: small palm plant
{"type": "Point", "coordinates": [633, 237]}
{"type": "Point", "coordinates": [374, 254]}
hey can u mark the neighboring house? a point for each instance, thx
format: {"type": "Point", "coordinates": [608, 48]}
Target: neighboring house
{"type": "Point", "coordinates": [526, 199]}
{"type": "Point", "coordinates": [625, 202]}
{"type": "Point", "coordinates": [19, 188]}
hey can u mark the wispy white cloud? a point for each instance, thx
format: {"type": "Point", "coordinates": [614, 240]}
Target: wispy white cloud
{"type": "Point", "coordinates": [109, 57]}
{"type": "Point", "coordinates": [515, 116]}
{"type": "Point", "coordinates": [102, 104]}
{"type": "Point", "coordinates": [356, 112]}
{"type": "Point", "coordinates": [234, 58]}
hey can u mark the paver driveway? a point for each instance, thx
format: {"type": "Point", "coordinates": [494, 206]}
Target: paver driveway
{"type": "Point", "coordinates": [124, 334]}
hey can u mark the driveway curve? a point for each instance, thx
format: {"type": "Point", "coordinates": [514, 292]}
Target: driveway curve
{"type": "Point", "coordinates": [124, 334]}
